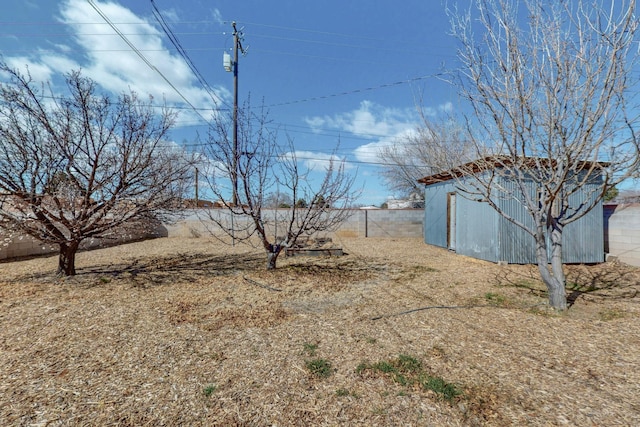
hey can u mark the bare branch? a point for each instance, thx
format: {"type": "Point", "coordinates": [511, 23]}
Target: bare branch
{"type": "Point", "coordinates": [266, 168]}
{"type": "Point", "coordinates": [84, 166]}
{"type": "Point", "coordinates": [552, 93]}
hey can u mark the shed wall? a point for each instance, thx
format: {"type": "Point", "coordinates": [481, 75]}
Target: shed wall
{"type": "Point", "coordinates": [516, 245]}
{"type": "Point", "coordinates": [435, 213]}
{"type": "Point", "coordinates": [476, 230]}
{"type": "Point", "coordinates": [583, 240]}
{"type": "Point", "coordinates": [483, 233]}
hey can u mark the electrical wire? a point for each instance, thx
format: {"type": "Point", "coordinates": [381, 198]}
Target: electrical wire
{"type": "Point", "coordinates": [144, 58]}
{"type": "Point", "coordinates": [279, 27]}
{"type": "Point", "coordinates": [183, 54]}
{"type": "Point", "coordinates": [354, 91]}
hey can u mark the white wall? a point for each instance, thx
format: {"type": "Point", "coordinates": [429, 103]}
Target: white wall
{"type": "Point", "coordinates": [622, 232]}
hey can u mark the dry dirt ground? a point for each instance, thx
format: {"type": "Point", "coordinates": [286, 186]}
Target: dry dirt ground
{"type": "Point", "coordinates": [191, 332]}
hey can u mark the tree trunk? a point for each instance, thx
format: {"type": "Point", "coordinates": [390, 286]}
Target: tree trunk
{"type": "Point", "coordinates": [557, 295]}
{"type": "Point", "coordinates": [67, 259]}
{"type": "Point", "coordinates": [553, 279]}
{"type": "Point", "coordinates": [272, 255]}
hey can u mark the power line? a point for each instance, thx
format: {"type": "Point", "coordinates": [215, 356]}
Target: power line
{"type": "Point", "coordinates": [360, 90]}
{"type": "Point", "coordinates": [182, 52]}
{"type": "Point", "coordinates": [346, 45]}
{"type": "Point", "coordinates": [51, 23]}
{"type": "Point", "coordinates": [99, 34]}
{"type": "Point", "coordinates": [342, 35]}
{"type": "Point", "coordinates": [313, 158]}
{"type": "Point", "coordinates": [144, 58]}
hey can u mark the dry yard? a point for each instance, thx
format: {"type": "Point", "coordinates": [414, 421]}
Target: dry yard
{"type": "Point", "coordinates": [189, 332]}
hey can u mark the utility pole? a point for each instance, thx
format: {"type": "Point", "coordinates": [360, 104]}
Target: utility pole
{"type": "Point", "coordinates": [230, 65]}
{"type": "Point", "coordinates": [197, 201]}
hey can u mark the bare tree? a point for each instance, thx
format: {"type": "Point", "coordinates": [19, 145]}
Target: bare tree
{"type": "Point", "coordinates": [550, 85]}
{"type": "Point", "coordinates": [264, 168]}
{"type": "Point", "coordinates": [82, 166]}
{"type": "Point", "coordinates": [435, 146]}
{"type": "Point", "coordinates": [277, 199]}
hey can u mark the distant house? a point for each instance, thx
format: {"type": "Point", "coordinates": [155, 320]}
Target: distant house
{"type": "Point", "coordinates": [475, 229]}
{"type": "Point", "coordinates": [411, 203]}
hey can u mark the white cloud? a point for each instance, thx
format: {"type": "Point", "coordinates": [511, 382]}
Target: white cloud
{"type": "Point", "coordinates": [106, 58]}
{"type": "Point", "coordinates": [380, 124]}
{"type": "Point", "coordinates": [316, 161]}
{"type": "Point", "coordinates": [62, 47]}
{"type": "Point", "coordinates": [370, 153]}
{"type": "Point", "coordinates": [447, 107]}
{"type": "Point", "coordinates": [217, 16]}
{"type": "Point", "coordinates": [368, 120]}
{"type": "Point", "coordinates": [37, 70]}
{"type": "Point", "coordinates": [112, 62]}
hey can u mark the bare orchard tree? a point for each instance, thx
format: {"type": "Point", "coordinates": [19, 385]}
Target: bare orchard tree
{"type": "Point", "coordinates": [263, 167]}
{"type": "Point", "coordinates": [277, 199]}
{"type": "Point", "coordinates": [550, 85]}
{"type": "Point", "coordinates": [82, 166]}
{"type": "Point", "coordinates": [435, 146]}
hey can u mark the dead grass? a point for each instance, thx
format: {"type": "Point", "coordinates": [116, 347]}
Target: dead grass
{"type": "Point", "coordinates": [189, 332]}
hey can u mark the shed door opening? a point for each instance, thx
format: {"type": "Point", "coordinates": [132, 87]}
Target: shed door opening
{"type": "Point", "coordinates": [451, 221]}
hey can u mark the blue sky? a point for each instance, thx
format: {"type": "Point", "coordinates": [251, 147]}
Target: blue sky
{"type": "Point", "coordinates": [348, 71]}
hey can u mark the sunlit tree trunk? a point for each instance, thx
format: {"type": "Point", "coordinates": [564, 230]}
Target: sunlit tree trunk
{"type": "Point", "coordinates": [272, 258]}
{"type": "Point", "coordinates": [554, 278]}
{"type": "Point", "coordinates": [67, 259]}
{"type": "Point", "coordinates": [557, 294]}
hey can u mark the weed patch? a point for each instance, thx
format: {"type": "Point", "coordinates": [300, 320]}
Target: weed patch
{"type": "Point", "coordinates": [321, 368]}
{"type": "Point", "coordinates": [408, 371]}
{"type": "Point", "coordinates": [309, 349]}
{"type": "Point", "coordinates": [610, 314]}
{"type": "Point", "coordinates": [209, 390]}
{"type": "Point", "coordinates": [495, 299]}
{"type": "Point", "coordinates": [343, 392]}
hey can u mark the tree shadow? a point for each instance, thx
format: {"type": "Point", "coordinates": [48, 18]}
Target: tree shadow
{"type": "Point", "coordinates": [525, 278]}
{"type": "Point", "coordinates": [613, 281]}
{"type": "Point", "coordinates": [610, 281]}
{"type": "Point", "coordinates": [145, 272]}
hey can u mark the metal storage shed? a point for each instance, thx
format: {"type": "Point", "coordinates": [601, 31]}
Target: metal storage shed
{"type": "Point", "coordinates": [475, 229]}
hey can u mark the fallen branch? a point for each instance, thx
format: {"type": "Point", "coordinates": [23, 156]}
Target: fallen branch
{"type": "Point", "coordinates": [447, 307]}
{"type": "Point", "coordinates": [253, 282]}
{"type": "Point", "coordinates": [451, 307]}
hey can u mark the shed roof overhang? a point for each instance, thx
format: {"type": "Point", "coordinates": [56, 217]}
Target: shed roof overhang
{"type": "Point", "coordinates": [497, 162]}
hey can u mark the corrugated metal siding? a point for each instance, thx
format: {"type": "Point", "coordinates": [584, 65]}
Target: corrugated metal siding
{"type": "Point", "coordinates": [476, 230]}
{"type": "Point", "coordinates": [583, 240]}
{"type": "Point", "coordinates": [483, 233]}
{"type": "Point", "coordinates": [435, 213]}
{"type": "Point", "coordinates": [517, 246]}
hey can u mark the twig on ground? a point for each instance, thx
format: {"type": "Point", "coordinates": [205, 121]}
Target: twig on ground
{"type": "Point", "coordinates": [447, 307]}
{"type": "Point", "coordinates": [253, 282]}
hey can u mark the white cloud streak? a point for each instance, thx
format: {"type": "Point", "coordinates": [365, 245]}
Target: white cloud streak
{"type": "Point", "coordinates": [382, 125]}
{"type": "Point", "coordinates": [318, 162]}
{"type": "Point", "coordinates": [106, 58]}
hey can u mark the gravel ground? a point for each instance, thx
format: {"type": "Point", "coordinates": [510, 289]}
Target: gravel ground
{"type": "Point", "coordinates": [192, 332]}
